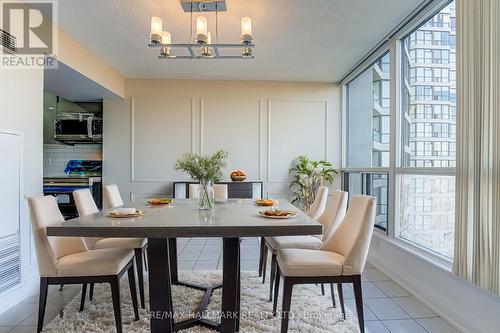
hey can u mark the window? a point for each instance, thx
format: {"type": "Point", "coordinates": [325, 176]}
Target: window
{"type": "Point", "coordinates": [368, 117]}
{"type": "Point", "coordinates": [375, 184]}
{"type": "Point", "coordinates": [426, 201]}
{"type": "Point", "coordinates": [420, 174]}
{"type": "Point", "coordinates": [427, 212]}
{"type": "Point", "coordinates": [428, 103]}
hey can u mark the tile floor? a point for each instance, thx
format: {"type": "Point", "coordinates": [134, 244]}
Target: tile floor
{"type": "Point", "coordinates": [388, 308]}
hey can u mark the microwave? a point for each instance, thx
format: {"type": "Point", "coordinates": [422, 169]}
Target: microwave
{"type": "Point", "coordinates": [78, 128]}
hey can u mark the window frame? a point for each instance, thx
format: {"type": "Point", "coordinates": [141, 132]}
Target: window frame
{"type": "Point", "coordinates": [396, 168]}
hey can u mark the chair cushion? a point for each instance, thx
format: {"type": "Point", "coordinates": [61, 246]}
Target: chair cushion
{"type": "Point", "coordinates": [303, 262]}
{"type": "Point", "coordinates": [293, 242]}
{"type": "Point", "coordinates": [94, 263]}
{"type": "Point", "coordinates": [120, 243]}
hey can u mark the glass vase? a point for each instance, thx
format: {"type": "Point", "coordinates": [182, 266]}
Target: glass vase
{"type": "Point", "coordinates": [205, 195]}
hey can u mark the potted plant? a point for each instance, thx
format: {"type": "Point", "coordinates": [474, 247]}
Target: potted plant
{"type": "Point", "coordinates": [307, 176]}
{"type": "Point", "coordinates": [205, 170]}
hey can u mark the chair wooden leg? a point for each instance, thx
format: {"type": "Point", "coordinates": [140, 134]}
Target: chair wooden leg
{"type": "Point", "coordinates": [42, 302]}
{"type": "Point", "coordinates": [264, 264]}
{"type": "Point", "coordinates": [115, 295]}
{"type": "Point", "coordinates": [341, 298]}
{"type": "Point", "coordinates": [261, 255]}
{"type": "Point", "coordinates": [276, 290]}
{"type": "Point", "coordinates": [358, 295]}
{"type": "Point", "coordinates": [322, 289]}
{"type": "Point", "coordinates": [274, 263]}
{"type": "Point", "coordinates": [133, 290]}
{"type": "Point", "coordinates": [287, 301]}
{"type": "Point", "coordinates": [84, 295]}
{"type": "Point", "coordinates": [140, 275]}
{"type": "Point", "coordinates": [333, 295]}
{"type": "Point", "coordinates": [91, 291]}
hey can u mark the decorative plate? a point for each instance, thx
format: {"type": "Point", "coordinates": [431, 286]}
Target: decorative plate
{"type": "Point", "coordinates": [157, 202]}
{"type": "Point", "coordinates": [116, 214]}
{"type": "Point", "coordinates": [279, 214]}
{"type": "Point", "coordinates": [265, 202]}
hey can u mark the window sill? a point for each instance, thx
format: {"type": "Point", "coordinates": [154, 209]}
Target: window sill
{"type": "Point", "coordinates": [435, 260]}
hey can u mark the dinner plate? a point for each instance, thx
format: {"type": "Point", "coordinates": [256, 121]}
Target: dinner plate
{"type": "Point", "coordinates": [139, 213]}
{"type": "Point", "coordinates": [278, 217]}
{"type": "Point", "coordinates": [260, 203]}
{"type": "Point", "coordinates": [159, 202]}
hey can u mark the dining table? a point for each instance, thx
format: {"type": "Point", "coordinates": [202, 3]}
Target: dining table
{"type": "Point", "coordinates": [163, 224]}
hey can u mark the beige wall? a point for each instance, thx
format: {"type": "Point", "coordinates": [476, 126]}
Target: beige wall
{"type": "Point", "coordinates": [21, 110]}
{"type": "Point", "coordinates": [263, 126]}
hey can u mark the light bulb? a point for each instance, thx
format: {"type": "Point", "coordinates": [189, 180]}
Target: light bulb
{"type": "Point", "coordinates": [201, 29]}
{"type": "Point", "coordinates": [246, 26]}
{"type": "Point", "coordinates": [206, 52]}
{"type": "Point", "coordinates": [166, 38]}
{"type": "Point", "coordinates": [156, 30]}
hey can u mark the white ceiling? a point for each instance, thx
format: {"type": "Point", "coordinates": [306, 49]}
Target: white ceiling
{"type": "Point", "coordinates": [297, 40]}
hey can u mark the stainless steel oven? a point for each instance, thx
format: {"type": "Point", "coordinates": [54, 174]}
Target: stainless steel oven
{"type": "Point", "coordinates": [78, 128]}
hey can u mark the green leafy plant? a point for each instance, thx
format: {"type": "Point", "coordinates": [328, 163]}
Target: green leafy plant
{"type": "Point", "coordinates": [307, 176]}
{"type": "Point", "coordinates": [203, 169]}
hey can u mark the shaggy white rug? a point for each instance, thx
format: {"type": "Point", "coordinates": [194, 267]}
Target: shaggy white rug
{"type": "Point", "coordinates": [310, 312]}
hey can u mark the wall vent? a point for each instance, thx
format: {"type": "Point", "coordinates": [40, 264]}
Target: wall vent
{"type": "Point", "coordinates": [7, 41]}
{"type": "Point", "coordinates": [10, 262]}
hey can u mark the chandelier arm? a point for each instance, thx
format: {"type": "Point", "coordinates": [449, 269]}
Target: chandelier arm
{"type": "Point", "coordinates": [191, 25]}
{"type": "Point", "coordinates": [217, 22]}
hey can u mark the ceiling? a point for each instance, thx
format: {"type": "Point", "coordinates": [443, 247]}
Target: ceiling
{"type": "Point", "coordinates": [296, 40]}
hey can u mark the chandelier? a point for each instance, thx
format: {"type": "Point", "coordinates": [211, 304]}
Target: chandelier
{"type": "Point", "coordinates": [201, 44]}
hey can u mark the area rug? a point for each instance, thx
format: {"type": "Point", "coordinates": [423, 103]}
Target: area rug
{"type": "Point", "coordinates": [310, 311]}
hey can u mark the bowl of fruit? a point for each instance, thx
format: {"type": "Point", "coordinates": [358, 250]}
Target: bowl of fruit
{"type": "Point", "coordinates": [238, 176]}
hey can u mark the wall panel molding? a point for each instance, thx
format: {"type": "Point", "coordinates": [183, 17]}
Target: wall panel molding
{"type": "Point", "coordinates": [259, 133]}
{"type": "Point", "coordinates": [269, 131]}
{"type": "Point", "coordinates": [133, 177]}
{"type": "Point", "coordinates": [201, 112]}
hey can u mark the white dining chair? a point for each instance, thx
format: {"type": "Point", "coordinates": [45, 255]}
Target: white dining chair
{"type": "Point", "coordinates": [193, 191]}
{"type": "Point", "coordinates": [111, 196]}
{"type": "Point", "coordinates": [66, 260]}
{"type": "Point", "coordinates": [85, 204]}
{"type": "Point", "coordinates": [341, 259]}
{"type": "Point", "coordinates": [330, 219]}
{"type": "Point", "coordinates": [220, 192]}
{"type": "Point", "coordinates": [317, 208]}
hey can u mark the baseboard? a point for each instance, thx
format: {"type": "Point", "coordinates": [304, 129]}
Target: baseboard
{"type": "Point", "coordinates": [18, 294]}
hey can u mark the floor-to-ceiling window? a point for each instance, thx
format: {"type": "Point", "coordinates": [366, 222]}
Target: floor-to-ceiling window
{"type": "Point", "coordinates": [428, 126]}
{"type": "Point", "coordinates": [404, 152]}
{"type": "Point", "coordinates": [368, 121]}
{"type": "Point", "coordinates": [368, 134]}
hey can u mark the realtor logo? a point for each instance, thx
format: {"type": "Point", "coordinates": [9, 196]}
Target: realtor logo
{"type": "Point", "coordinates": [31, 24]}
